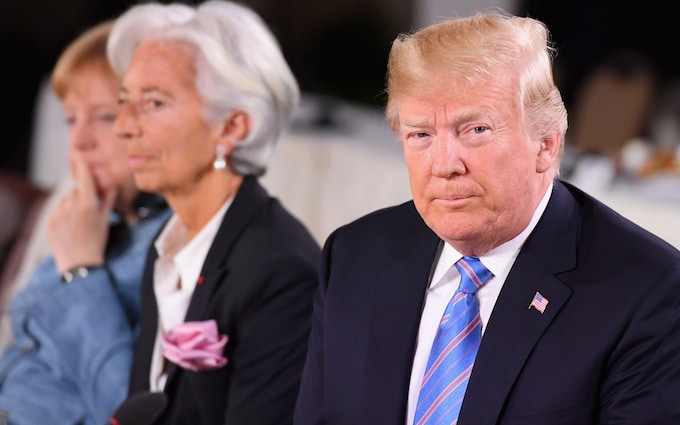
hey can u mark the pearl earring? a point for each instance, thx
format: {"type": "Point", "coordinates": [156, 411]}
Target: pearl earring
{"type": "Point", "coordinates": [220, 162]}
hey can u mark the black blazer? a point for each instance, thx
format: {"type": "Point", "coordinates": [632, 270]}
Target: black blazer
{"type": "Point", "coordinates": [258, 282]}
{"type": "Point", "coordinates": [606, 350]}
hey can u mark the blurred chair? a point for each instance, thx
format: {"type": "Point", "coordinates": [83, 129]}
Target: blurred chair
{"type": "Point", "coordinates": [613, 104]}
{"type": "Point", "coordinates": [21, 203]}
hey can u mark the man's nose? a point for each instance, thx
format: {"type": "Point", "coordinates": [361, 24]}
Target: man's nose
{"type": "Point", "coordinates": [447, 157]}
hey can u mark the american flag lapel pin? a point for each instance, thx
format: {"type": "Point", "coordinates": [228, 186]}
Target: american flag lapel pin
{"type": "Point", "coordinates": [539, 302]}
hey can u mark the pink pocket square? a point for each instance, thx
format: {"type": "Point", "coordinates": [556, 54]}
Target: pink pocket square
{"type": "Point", "coordinates": [195, 345]}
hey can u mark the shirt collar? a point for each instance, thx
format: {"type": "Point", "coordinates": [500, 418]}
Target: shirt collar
{"type": "Point", "coordinates": [189, 256]}
{"type": "Point", "coordinates": [498, 258]}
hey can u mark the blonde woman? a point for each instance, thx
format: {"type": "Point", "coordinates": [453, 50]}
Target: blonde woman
{"type": "Point", "coordinates": [74, 323]}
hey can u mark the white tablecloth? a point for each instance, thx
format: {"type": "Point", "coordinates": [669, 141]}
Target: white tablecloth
{"type": "Point", "coordinates": [657, 212]}
{"type": "Point", "coordinates": [327, 180]}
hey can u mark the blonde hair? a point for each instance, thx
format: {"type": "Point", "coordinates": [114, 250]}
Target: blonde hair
{"type": "Point", "coordinates": [89, 49]}
{"type": "Point", "coordinates": [472, 49]}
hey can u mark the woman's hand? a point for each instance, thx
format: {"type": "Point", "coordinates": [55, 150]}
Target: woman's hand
{"type": "Point", "coordinates": [79, 225]}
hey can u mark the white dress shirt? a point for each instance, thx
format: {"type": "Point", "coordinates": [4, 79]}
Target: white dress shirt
{"type": "Point", "coordinates": [176, 272]}
{"type": "Point", "coordinates": [444, 284]}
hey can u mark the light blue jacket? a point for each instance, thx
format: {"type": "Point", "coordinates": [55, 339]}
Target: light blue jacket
{"type": "Point", "coordinates": [70, 361]}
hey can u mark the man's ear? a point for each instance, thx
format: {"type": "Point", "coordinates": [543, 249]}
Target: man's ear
{"type": "Point", "coordinates": [234, 129]}
{"type": "Point", "coordinates": [548, 153]}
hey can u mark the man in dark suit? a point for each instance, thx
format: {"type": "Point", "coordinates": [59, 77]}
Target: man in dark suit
{"type": "Point", "coordinates": [574, 315]}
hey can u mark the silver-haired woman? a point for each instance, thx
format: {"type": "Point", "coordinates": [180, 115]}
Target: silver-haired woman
{"type": "Point", "coordinates": [227, 294]}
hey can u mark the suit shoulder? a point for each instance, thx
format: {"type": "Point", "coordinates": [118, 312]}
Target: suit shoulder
{"type": "Point", "coordinates": [384, 220]}
{"type": "Point", "coordinates": [384, 229]}
{"type": "Point", "coordinates": [275, 228]}
{"type": "Point", "coordinates": [622, 236]}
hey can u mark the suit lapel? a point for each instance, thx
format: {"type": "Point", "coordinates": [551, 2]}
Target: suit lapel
{"type": "Point", "coordinates": [396, 308]}
{"type": "Point", "coordinates": [514, 329]}
{"type": "Point", "coordinates": [250, 198]}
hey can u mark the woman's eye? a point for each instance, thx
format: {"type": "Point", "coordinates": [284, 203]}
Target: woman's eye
{"type": "Point", "coordinates": [107, 117]}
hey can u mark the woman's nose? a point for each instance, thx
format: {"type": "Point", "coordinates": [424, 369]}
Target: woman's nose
{"type": "Point", "coordinates": [127, 125]}
{"type": "Point", "coordinates": [82, 136]}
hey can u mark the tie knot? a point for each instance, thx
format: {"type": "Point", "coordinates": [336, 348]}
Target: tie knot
{"type": "Point", "coordinates": [473, 274]}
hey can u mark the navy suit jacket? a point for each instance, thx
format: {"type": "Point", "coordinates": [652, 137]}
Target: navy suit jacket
{"type": "Point", "coordinates": [259, 279]}
{"type": "Point", "coordinates": [606, 350]}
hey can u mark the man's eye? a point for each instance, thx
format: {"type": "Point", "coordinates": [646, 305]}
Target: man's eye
{"type": "Point", "coordinates": [151, 104]}
{"type": "Point", "coordinates": [479, 129]}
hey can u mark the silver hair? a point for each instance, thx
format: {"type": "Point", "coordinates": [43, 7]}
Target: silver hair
{"type": "Point", "coordinates": [239, 65]}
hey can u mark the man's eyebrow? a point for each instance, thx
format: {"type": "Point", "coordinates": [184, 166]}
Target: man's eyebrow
{"type": "Point", "coordinates": [152, 89]}
{"type": "Point", "coordinates": [146, 90]}
{"type": "Point", "coordinates": [415, 122]}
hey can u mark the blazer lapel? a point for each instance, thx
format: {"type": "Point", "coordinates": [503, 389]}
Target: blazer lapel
{"type": "Point", "coordinates": [397, 299]}
{"type": "Point", "coordinates": [250, 198]}
{"type": "Point", "coordinates": [514, 328]}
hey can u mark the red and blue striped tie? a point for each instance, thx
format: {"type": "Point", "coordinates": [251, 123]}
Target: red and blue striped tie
{"type": "Point", "coordinates": [454, 350]}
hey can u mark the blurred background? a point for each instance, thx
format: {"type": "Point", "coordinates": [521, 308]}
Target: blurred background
{"type": "Point", "coordinates": [616, 67]}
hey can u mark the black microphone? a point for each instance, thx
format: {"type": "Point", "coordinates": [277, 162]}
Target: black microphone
{"type": "Point", "coordinates": [142, 408]}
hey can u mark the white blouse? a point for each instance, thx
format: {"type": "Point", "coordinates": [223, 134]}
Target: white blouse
{"type": "Point", "coordinates": [176, 272]}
